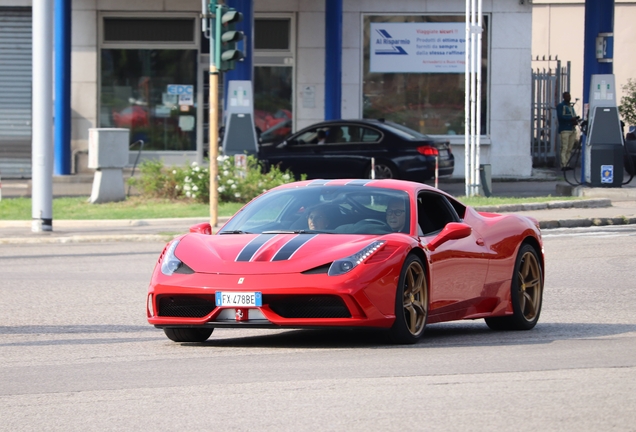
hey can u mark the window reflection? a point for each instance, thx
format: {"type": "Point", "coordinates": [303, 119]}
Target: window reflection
{"type": "Point", "coordinates": [430, 103]}
{"type": "Point", "coordinates": [272, 102]}
{"type": "Point", "coordinates": [134, 95]}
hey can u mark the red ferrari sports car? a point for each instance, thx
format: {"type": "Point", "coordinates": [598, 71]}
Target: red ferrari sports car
{"type": "Point", "coordinates": [385, 254]}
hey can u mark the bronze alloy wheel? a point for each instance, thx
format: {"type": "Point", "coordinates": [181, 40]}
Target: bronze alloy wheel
{"type": "Point", "coordinates": [526, 293]}
{"type": "Point", "coordinates": [529, 286]}
{"type": "Point", "coordinates": [411, 303]}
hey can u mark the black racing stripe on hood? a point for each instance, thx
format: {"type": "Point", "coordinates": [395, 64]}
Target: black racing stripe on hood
{"type": "Point", "coordinates": [359, 182]}
{"type": "Point", "coordinates": [252, 247]}
{"type": "Point", "coordinates": [292, 246]}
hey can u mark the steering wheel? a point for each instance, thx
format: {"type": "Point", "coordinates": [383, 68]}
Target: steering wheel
{"type": "Point", "coordinates": [376, 223]}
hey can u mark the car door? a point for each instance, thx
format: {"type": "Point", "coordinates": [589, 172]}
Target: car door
{"type": "Point", "coordinates": [346, 154]}
{"type": "Point", "coordinates": [458, 268]}
{"type": "Point", "coordinates": [297, 154]}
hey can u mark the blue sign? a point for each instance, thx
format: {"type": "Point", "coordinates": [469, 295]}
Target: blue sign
{"type": "Point", "coordinates": [607, 173]}
{"type": "Point", "coordinates": [180, 89]}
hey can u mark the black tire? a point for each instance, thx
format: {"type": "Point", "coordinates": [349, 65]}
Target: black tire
{"type": "Point", "coordinates": [383, 170]}
{"type": "Point", "coordinates": [526, 293]}
{"type": "Point", "coordinates": [411, 303]}
{"type": "Point", "coordinates": [188, 334]}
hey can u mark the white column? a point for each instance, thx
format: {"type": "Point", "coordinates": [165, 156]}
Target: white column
{"type": "Point", "coordinates": [42, 124]}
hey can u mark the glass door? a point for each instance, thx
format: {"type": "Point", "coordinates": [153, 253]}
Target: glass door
{"type": "Point", "coordinates": [273, 77]}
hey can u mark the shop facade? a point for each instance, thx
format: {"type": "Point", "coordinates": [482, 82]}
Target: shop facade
{"type": "Point", "coordinates": [127, 58]}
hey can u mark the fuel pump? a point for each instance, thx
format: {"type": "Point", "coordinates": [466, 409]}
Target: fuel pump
{"type": "Point", "coordinates": [604, 145]}
{"type": "Point", "coordinates": [239, 136]}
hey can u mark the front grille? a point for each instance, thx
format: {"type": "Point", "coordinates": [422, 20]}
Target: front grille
{"type": "Point", "coordinates": [307, 306]}
{"type": "Point", "coordinates": [185, 306]}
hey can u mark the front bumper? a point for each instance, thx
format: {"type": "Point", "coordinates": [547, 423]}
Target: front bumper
{"type": "Point", "coordinates": [295, 301]}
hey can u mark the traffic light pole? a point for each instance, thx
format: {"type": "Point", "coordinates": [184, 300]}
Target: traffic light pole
{"type": "Point", "coordinates": [220, 60]}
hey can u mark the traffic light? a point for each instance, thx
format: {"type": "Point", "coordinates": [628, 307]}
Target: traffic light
{"type": "Point", "coordinates": [227, 37]}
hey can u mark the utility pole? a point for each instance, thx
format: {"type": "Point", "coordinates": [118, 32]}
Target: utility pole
{"type": "Point", "coordinates": [213, 108]}
{"type": "Point", "coordinates": [224, 53]}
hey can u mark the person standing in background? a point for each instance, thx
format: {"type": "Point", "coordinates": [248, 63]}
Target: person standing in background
{"type": "Point", "coordinates": [567, 129]}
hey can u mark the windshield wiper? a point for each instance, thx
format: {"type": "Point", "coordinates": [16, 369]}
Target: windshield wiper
{"type": "Point", "coordinates": [297, 232]}
{"type": "Point", "coordinates": [286, 232]}
{"type": "Point", "coordinates": [235, 232]}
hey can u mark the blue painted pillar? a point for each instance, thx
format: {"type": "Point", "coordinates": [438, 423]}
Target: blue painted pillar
{"type": "Point", "coordinates": [62, 114]}
{"type": "Point", "coordinates": [244, 69]}
{"type": "Point", "coordinates": [333, 59]}
{"type": "Point", "coordinates": [599, 18]}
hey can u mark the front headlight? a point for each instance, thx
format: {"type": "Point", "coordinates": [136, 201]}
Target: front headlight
{"type": "Point", "coordinates": [345, 265]}
{"type": "Point", "coordinates": [170, 263]}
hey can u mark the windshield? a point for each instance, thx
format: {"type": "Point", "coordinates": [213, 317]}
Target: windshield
{"type": "Point", "coordinates": [324, 209]}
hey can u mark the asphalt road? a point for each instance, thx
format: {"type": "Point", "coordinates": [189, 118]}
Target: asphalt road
{"type": "Point", "coordinates": [77, 354]}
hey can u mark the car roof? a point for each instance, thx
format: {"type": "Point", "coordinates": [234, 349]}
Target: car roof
{"type": "Point", "coordinates": [374, 122]}
{"type": "Point", "coordinates": [402, 185]}
{"type": "Point", "coordinates": [386, 126]}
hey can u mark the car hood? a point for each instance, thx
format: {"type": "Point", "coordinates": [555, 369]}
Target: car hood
{"type": "Point", "coordinates": [266, 253]}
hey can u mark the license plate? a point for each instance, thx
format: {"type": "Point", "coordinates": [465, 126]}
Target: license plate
{"type": "Point", "coordinates": [239, 299]}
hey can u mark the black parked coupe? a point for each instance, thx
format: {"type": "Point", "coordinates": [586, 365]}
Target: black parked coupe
{"type": "Point", "coordinates": [345, 149]}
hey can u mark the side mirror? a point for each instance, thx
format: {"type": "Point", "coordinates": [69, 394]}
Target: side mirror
{"type": "Point", "coordinates": [452, 231]}
{"type": "Point", "coordinates": [202, 228]}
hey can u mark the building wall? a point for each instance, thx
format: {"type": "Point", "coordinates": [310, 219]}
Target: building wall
{"type": "Point", "coordinates": [506, 147]}
{"type": "Point", "coordinates": [558, 31]}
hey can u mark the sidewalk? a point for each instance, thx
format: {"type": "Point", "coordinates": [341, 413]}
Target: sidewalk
{"type": "Point", "coordinates": [601, 206]}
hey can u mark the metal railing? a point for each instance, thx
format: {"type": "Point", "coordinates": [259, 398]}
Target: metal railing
{"type": "Point", "coordinates": [547, 86]}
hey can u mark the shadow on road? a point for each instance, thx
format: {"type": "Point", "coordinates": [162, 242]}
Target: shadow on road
{"type": "Point", "coordinates": [455, 334]}
{"type": "Point", "coordinates": [436, 336]}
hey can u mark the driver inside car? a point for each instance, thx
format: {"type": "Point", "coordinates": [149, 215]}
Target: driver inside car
{"type": "Point", "coordinates": [317, 219]}
{"type": "Point", "coordinates": [396, 214]}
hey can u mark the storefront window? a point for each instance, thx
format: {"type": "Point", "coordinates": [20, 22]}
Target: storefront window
{"type": "Point", "coordinates": [135, 94]}
{"type": "Point", "coordinates": [424, 87]}
{"type": "Point", "coordinates": [272, 102]}
{"type": "Point", "coordinates": [273, 77]}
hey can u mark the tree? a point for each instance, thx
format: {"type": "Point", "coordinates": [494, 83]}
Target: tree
{"type": "Point", "coordinates": [627, 107]}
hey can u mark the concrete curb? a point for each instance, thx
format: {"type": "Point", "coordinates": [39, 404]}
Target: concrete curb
{"type": "Point", "coordinates": [514, 208]}
{"type": "Point", "coordinates": [65, 223]}
{"type": "Point", "coordinates": [89, 239]}
{"type": "Point", "coordinates": [55, 238]}
{"type": "Point", "coordinates": [587, 222]}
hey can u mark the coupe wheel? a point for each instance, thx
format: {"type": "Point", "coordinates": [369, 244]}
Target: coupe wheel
{"type": "Point", "coordinates": [411, 303]}
{"type": "Point", "coordinates": [526, 293]}
{"type": "Point", "coordinates": [188, 334]}
{"type": "Point", "coordinates": [382, 171]}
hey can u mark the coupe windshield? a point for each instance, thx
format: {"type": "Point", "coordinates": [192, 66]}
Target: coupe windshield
{"type": "Point", "coordinates": [324, 209]}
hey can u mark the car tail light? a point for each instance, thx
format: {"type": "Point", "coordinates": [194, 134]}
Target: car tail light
{"type": "Point", "coordinates": [428, 151]}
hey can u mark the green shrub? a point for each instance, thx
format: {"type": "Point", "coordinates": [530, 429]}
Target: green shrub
{"type": "Point", "coordinates": [236, 185]}
{"type": "Point", "coordinates": [157, 182]}
{"type": "Point", "coordinates": [627, 107]}
{"type": "Point", "coordinates": [196, 182]}
{"type": "Point", "coordinates": [193, 181]}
